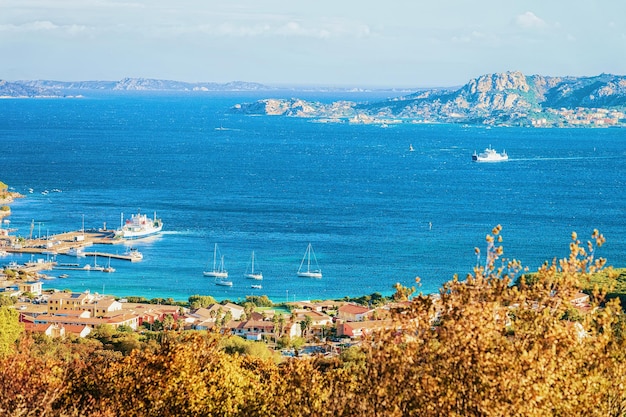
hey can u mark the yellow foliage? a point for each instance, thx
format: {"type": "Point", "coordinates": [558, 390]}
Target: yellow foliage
{"type": "Point", "coordinates": [481, 347]}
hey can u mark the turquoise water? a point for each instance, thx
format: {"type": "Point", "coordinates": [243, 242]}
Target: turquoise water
{"type": "Point", "coordinates": [375, 213]}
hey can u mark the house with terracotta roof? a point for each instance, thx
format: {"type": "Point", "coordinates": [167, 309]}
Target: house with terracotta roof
{"type": "Point", "coordinates": [49, 329]}
{"type": "Point", "coordinates": [251, 329]}
{"type": "Point", "coordinates": [149, 313]}
{"type": "Point", "coordinates": [353, 312]}
{"type": "Point", "coordinates": [83, 318]}
{"type": "Point", "coordinates": [259, 329]}
{"type": "Point", "coordinates": [320, 322]}
{"type": "Point", "coordinates": [358, 329]}
{"type": "Point", "coordinates": [56, 330]}
{"type": "Point", "coordinates": [235, 310]}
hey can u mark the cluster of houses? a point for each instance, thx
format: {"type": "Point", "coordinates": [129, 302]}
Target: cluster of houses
{"type": "Point", "coordinates": [61, 314]}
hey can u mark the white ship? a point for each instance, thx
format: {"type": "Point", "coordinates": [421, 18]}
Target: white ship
{"type": "Point", "coordinates": [139, 226]}
{"type": "Point", "coordinates": [490, 155]}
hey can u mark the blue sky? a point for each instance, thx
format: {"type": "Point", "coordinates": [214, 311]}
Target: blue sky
{"type": "Point", "coordinates": [410, 43]}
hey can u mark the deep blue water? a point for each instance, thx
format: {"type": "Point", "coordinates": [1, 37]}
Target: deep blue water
{"type": "Point", "coordinates": [273, 185]}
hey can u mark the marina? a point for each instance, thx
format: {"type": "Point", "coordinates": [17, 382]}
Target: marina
{"type": "Point", "coordinates": [71, 244]}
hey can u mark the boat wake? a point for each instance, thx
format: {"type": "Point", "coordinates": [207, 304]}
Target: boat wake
{"type": "Point", "coordinates": [563, 158]}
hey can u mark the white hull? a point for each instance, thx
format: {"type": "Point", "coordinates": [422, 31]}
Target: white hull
{"type": "Point", "coordinates": [258, 276]}
{"type": "Point", "coordinates": [215, 274]}
{"type": "Point", "coordinates": [251, 274]}
{"type": "Point", "coordinates": [490, 155]}
{"type": "Point", "coordinates": [217, 271]}
{"type": "Point", "coordinates": [141, 233]}
{"type": "Point", "coordinates": [310, 274]}
{"type": "Point", "coordinates": [139, 226]}
{"type": "Point", "coordinates": [224, 283]}
{"type": "Point", "coordinates": [307, 272]}
{"type": "Point", "coordinates": [134, 255]}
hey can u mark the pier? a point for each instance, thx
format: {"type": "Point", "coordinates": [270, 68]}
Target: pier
{"type": "Point", "coordinates": [124, 257]}
{"type": "Point", "coordinates": [62, 243]}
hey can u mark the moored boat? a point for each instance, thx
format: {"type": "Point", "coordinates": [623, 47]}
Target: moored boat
{"type": "Point", "coordinates": [139, 226]}
{"type": "Point", "coordinates": [218, 271]}
{"type": "Point", "coordinates": [108, 268]}
{"type": "Point", "coordinates": [307, 272]}
{"type": "Point", "coordinates": [252, 274]}
{"type": "Point", "coordinates": [134, 254]}
{"type": "Point", "coordinates": [78, 252]}
{"type": "Point", "coordinates": [224, 282]}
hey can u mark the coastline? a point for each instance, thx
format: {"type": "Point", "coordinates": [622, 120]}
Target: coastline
{"type": "Point", "coordinates": [7, 198]}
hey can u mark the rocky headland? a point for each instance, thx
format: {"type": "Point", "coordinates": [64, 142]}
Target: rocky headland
{"type": "Point", "coordinates": [501, 99]}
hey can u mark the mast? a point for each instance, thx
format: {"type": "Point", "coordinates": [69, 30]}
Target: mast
{"type": "Point", "coordinates": [308, 263]}
{"type": "Point", "coordinates": [215, 257]}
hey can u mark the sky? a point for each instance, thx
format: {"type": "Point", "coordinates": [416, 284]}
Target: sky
{"type": "Point", "coordinates": [348, 43]}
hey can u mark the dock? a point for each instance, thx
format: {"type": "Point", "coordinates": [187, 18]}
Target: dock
{"type": "Point", "coordinates": [112, 256]}
{"type": "Point", "coordinates": [62, 243]}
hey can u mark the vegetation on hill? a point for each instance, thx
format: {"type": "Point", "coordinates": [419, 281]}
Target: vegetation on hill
{"type": "Point", "coordinates": [503, 99]}
{"type": "Point", "coordinates": [483, 347]}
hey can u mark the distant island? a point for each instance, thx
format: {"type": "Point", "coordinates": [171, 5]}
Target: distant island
{"type": "Point", "coordinates": [49, 88]}
{"type": "Point", "coordinates": [501, 99]}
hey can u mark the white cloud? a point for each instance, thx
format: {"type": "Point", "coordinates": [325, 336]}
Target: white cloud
{"type": "Point", "coordinates": [529, 20]}
{"type": "Point", "coordinates": [40, 26]}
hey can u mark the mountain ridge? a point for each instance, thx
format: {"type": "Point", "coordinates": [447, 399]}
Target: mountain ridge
{"type": "Point", "coordinates": [52, 88]}
{"type": "Point", "coordinates": [501, 99]}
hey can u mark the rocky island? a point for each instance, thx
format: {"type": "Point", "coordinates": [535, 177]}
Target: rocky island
{"type": "Point", "coordinates": [501, 99]}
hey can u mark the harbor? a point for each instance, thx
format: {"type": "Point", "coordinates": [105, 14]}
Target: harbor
{"type": "Point", "coordinates": [69, 244]}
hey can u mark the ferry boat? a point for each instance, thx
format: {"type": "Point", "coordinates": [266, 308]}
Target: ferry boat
{"type": "Point", "coordinates": [490, 155]}
{"type": "Point", "coordinates": [139, 226]}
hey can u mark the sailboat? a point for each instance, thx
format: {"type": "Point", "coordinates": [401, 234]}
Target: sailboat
{"type": "Point", "coordinates": [217, 271]}
{"type": "Point", "coordinates": [109, 268]}
{"type": "Point", "coordinates": [222, 279]}
{"type": "Point", "coordinates": [308, 272]}
{"type": "Point", "coordinates": [252, 274]}
{"type": "Point", "coordinates": [95, 266]}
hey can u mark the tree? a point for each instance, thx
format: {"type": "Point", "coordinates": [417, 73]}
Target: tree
{"type": "Point", "coordinates": [305, 325]}
{"type": "Point", "coordinates": [402, 293]}
{"type": "Point", "coordinates": [260, 300]}
{"type": "Point", "coordinates": [168, 322]}
{"type": "Point", "coordinates": [7, 301]}
{"type": "Point", "coordinates": [10, 329]}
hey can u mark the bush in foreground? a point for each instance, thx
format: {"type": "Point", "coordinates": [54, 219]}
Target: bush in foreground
{"type": "Point", "coordinates": [484, 347]}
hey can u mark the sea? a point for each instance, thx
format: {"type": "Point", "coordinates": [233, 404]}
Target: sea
{"type": "Point", "coordinates": [375, 212]}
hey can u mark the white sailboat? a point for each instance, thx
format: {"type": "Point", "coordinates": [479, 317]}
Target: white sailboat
{"type": "Point", "coordinates": [109, 268]}
{"type": "Point", "coordinates": [95, 266]}
{"type": "Point", "coordinates": [308, 272]}
{"type": "Point", "coordinates": [223, 280]}
{"type": "Point", "coordinates": [218, 271]}
{"type": "Point", "coordinates": [252, 274]}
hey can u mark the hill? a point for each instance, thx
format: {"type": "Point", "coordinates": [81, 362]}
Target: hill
{"type": "Point", "coordinates": [510, 99]}
{"type": "Point", "coordinates": [48, 88]}
{"type": "Point", "coordinates": [17, 89]}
